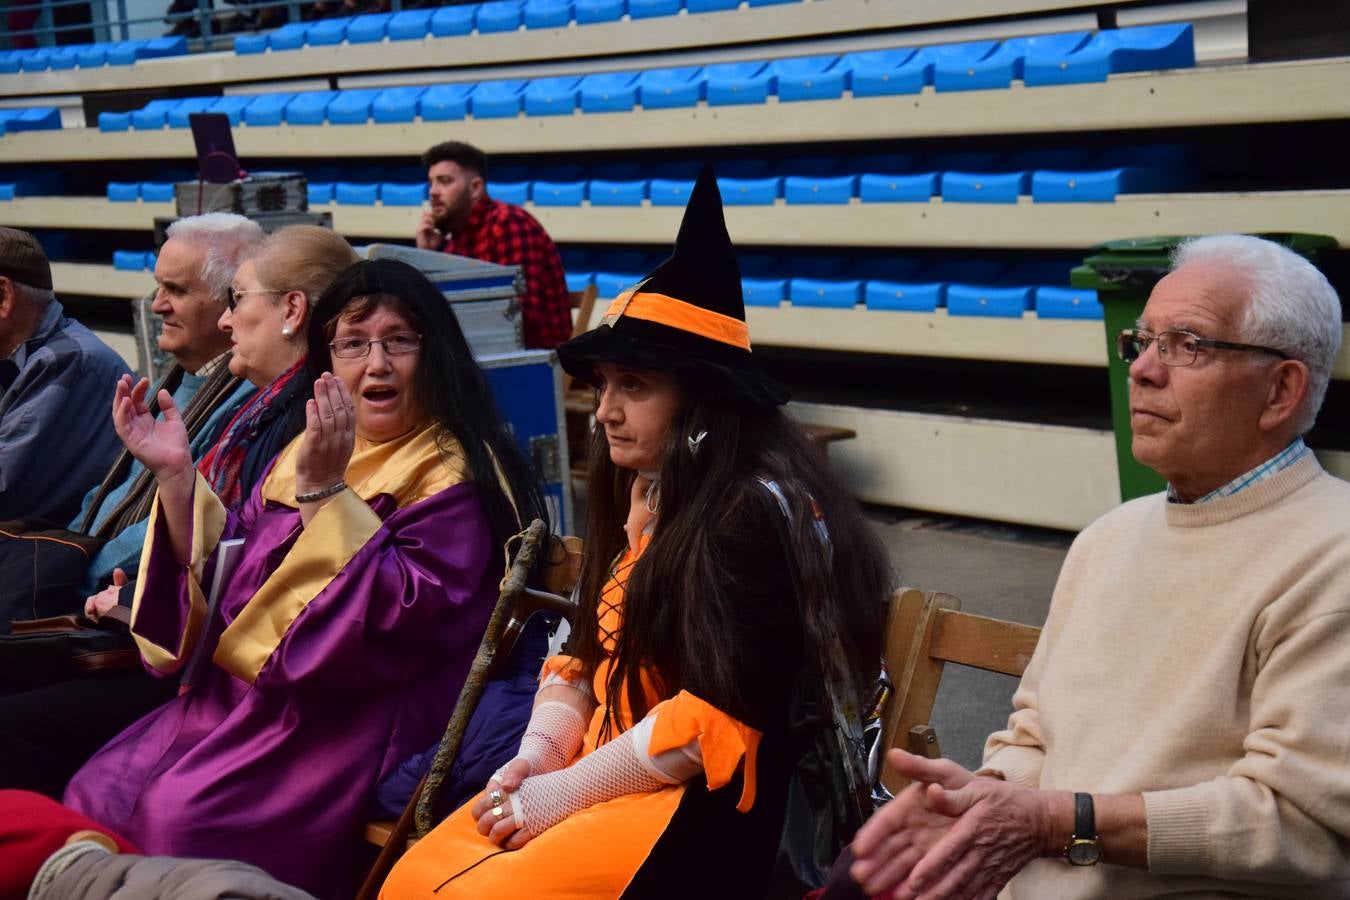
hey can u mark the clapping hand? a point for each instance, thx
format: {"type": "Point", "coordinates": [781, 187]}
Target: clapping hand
{"type": "Point", "coordinates": [330, 435]}
{"type": "Point", "coordinates": [160, 444]}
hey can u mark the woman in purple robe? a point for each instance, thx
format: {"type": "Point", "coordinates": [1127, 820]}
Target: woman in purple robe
{"type": "Point", "coordinates": [339, 643]}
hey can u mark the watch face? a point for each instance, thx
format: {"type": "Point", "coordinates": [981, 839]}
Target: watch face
{"type": "Point", "coordinates": [1084, 853]}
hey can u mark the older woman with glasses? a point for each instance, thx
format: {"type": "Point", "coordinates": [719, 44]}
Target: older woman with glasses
{"type": "Point", "coordinates": [339, 643]}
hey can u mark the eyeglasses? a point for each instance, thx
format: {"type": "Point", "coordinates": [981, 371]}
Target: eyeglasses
{"type": "Point", "coordinates": [1178, 348]}
{"type": "Point", "coordinates": [399, 344]}
{"type": "Point", "coordinates": [232, 296]}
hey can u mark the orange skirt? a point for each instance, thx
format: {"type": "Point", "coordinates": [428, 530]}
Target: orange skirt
{"type": "Point", "coordinates": [613, 839]}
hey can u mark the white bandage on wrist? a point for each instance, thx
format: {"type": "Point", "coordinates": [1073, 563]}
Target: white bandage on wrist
{"type": "Point", "coordinates": [674, 766]}
{"type": "Point", "coordinates": [553, 736]}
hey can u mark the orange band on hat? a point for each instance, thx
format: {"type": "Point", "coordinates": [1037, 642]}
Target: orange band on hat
{"type": "Point", "coordinates": [678, 314]}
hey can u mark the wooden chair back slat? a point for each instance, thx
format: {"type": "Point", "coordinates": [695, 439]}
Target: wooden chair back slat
{"type": "Point", "coordinates": [924, 632]}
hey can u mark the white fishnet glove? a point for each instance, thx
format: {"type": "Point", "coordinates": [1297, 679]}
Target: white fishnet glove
{"type": "Point", "coordinates": [552, 738]}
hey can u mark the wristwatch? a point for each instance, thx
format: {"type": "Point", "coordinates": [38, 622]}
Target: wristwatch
{"type": "Point", "coordinates": [1083, 848]}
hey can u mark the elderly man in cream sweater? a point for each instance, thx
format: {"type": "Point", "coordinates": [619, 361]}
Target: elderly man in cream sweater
{"type": "Point", "coordinates": [1183, 728]}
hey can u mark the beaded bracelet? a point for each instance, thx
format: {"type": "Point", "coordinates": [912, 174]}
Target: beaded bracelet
{"type": "Point", "coordinates": [322, 493]}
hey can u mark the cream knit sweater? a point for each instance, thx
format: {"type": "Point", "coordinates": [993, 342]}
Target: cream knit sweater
{"type": "Point", "coordinates": [1200, 654]}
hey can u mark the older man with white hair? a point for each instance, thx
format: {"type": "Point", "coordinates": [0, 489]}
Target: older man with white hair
{"type": "Point", "coordinates": [1183, 728]}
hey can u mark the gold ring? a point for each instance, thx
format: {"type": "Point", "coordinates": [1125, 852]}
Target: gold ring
{"type": "Point", "coordinates": [497, 812]}
{"type": "Point", "coordinates": [496, 798]}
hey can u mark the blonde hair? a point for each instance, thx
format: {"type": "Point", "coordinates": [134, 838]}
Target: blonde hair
{"type": "Point", "coordinates": [301, 258]}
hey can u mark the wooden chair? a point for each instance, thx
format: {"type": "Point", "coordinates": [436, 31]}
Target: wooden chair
{"type": "Point", "coordinates": [924, 632]}
{"type": "Point", "coordinates": [554, 564]}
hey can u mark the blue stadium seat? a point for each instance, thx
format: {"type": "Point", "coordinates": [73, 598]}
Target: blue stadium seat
{"type": "Point", "coordinates": [157, 48]}
{"type": "Point", "coordinates": [124, 191]}
{"type": "Point", "coordinates": [307, 107]}
{"type": "Point", "coordinates": [392, 194]}
{"type": "Point", "coordinates": [33, 118]}
{"type": "Point", "coordinates": [445, 102]}
{"type": "Point", "coordinates": [288, 37]}
{"type": "Point", "coordinates": [500, 15]}
{"type": "Point", "coordinates": [453, 21]}
{"type": "Point", "coordinates": [670, 191]}
{"type": "Point", "coordinates": [112, 121]}
{"type": "Point", "coordinates": [1142, 48]}
{"type": "Point", "coordinates": [356, 193]}
{"type": "Point", "coordinates": [650, 9]}
{"type": "Point", "coordinates": [65, 58]}
{"type": "Point", "coordinates": [327, 32]}
{"type": "Point", "coordinates": [178, 116]}
{"type": "Point", "coordinates": [1067, 303]}
{"type": "Point", "coordinates": [157, 191]}
{"type": "Point", "coordinates": [552, 96]}
{"type": "Point", "coordinates": [1100, 186]}
{"type": "Point", "coordinates": [810, 78]}
{"type": "Point", "coordinates": [1003, 64]}
{"type": "Point", "coordinates": [233, 106]}
{"type": "Point", "coordinates": [764, 291]}
{"type": "Point", "coordinates": [94, 56]}
{"type": "Point", "coordinates": [250, 44]}
{"type": "Point", "coordinates": [984, 187]}
{"type": "Point", "coordinates": [609, 285]}
{"type": "Point", "coordinates": [609, 91]}
{"type": "Point", "coordinates": [498, 99]}
{"type": "Point", "coordinates": [397, 104]}
{"type": "Point", "coordinates": [667, 88]}
{"type": "Point", "coordinates": [153, 115]}
{"type": "Point", "coordinates": [558, 193]}
{"type": "Point", "coordinates": [904, 296]}
{"type": "Point", "coordinates": [919, 187]}
{"type": "Point", "coordinates": [578, 281]}
{"type": "Point", "coordinates": [35, 60]}
{"type": "Point", "coordinates": [7, 188]}
{"type": "Point", "coordinates": [351, 107]}
{"type": "Point", "coordinates": [517, 193]}
{"type": "Point", "coordinates": [409, 25]}
{"type": "Point", "coordinates": [738, 82]}
{"type": "Point", "coordinates": [368, 29]}
{"type": "Point", "coordinates": [704, 6]}
{"type": "Point", "coordinates": [266, 109]}
{"type": "Point", "coordinates": [819, 292]}
{"type": "Point", "coordinates": [547, 13]}
{"type": "Point", "coordinates": [129, 260]}
{"type": "Point", "coordinates": [589, 11]}
{"type": "Point", "coordinates": [617, 193]}
{"type": "Point", "coordinates": [750, 191]}
{"type": "Point", "coordinates": [986, 300]}
{"type": "Point", "coordinates": [816, 189]}
{"type": "Point", "coordinates": [319, 192]}
{"type": "Point", "coordinates": [9, 61]}
{"type": "Point", "coordinates": [884, 72]}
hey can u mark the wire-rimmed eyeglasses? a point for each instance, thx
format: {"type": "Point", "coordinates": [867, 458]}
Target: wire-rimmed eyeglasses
{"type": "Point", "coordinates": [1178, 348]}
{"type": "Point", "coordinates": [398, 344]}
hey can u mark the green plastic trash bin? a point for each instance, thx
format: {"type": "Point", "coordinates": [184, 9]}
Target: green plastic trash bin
{"type": "Point", "coordinates": [1123, 274]}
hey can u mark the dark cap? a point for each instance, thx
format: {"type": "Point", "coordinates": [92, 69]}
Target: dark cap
{"type": "Point", "coordinates": [22, 259]}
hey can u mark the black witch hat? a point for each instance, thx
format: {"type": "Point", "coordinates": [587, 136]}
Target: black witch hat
{"type": "Point", "coordinates": [687, 316]}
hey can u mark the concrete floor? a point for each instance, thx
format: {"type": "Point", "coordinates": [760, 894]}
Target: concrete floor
{"type": "Point", "coordinates": [996, 570]}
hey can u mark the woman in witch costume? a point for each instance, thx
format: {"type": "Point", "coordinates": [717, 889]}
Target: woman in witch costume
{"type": "Point", "coordinates": [732, 600]}
{"type": "Point", "coordinates": [370, 566]}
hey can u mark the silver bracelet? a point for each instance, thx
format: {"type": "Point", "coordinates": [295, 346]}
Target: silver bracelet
{"type": "Point", "coordinates": [322, 493]}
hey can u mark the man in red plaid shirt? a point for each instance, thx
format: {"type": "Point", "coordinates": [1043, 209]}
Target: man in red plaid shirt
{"type": "Point", "coordinates": [465, 221]}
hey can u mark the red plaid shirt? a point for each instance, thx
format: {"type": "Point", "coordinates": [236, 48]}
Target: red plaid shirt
{"type": "Point", "coordinates": [502, 233]}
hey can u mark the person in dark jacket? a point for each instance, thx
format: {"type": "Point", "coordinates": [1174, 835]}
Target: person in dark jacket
{"type": "Point", "coordinates": [53, 372]}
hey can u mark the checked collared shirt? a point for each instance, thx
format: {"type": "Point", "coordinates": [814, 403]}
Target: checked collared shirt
{"type": "Point", "coordinates": [501, 233]}
{"type": "Point", "coordinates": [1277, 463]}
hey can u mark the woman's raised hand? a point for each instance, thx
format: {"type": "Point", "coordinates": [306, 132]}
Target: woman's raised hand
{"type": "Point", "coordinates": [160, 444]}
{"type": "Point", "coordinates": [330, 435]}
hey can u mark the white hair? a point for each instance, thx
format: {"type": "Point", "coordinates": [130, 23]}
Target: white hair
{"type": "Point", "coordinates": [1290, 305]}
{"type": "Point", "coordinates": [223, 238]}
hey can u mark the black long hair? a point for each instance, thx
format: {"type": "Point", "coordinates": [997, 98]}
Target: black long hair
{"type": "Point", "coordinates": [674, 620]}
{"type": "Point", "coordinates": [449, 384]}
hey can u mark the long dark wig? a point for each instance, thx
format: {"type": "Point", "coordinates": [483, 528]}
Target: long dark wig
{"type": "Point", "coordinates": [673, 621]}
{"type": "Point", "coordinates": [449, 384]}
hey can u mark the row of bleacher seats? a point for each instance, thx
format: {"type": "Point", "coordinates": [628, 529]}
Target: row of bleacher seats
{"type": "Point", "coordinates": [905, 70]}
{"type": "Point", "coordinates": [958, 298]}
{"type": "Point", "coordinates": [90, 56]}
{"type": "Point", "coordinates": [134, 260]}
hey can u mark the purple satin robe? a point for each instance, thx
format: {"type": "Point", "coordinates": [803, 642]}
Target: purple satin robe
{"type": "Point", "coordinates": [281, 773]}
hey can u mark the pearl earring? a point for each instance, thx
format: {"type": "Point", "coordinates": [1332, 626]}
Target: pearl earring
{"type": "Point", "coordinates": [286, 331]}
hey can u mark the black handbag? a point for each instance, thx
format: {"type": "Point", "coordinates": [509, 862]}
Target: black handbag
{"type": "Point", "coordinates": [45, 651]}
{"type": "Point", "coordinates": [42, 569]}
